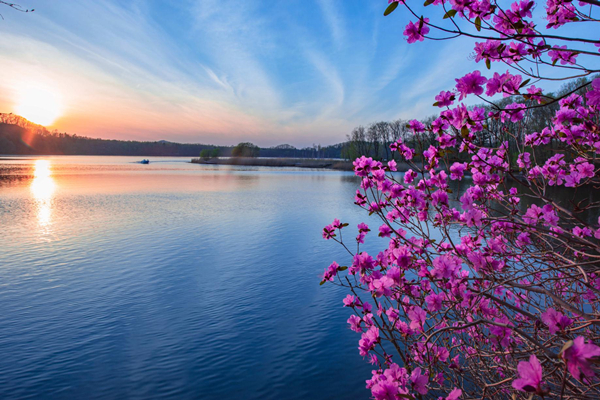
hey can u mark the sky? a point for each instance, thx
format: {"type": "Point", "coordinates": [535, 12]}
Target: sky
{"type": "Point", "coordinates": [221, 72]}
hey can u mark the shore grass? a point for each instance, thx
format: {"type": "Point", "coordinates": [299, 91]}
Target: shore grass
{"type": "Point", "coordinates": [279, 162]}
{"type": "Point", "coordinates": [322, 163]}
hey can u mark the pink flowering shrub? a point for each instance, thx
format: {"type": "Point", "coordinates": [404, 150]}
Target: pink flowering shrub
{"type": "Point", "coordinates": [491, 291]}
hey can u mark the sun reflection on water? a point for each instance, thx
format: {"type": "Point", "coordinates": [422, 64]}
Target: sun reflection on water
{"type": "Point", "coordinates": [42, 188]}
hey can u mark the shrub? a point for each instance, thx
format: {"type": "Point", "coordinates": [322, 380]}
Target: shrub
{"type": "Point", "coordinates": [491, 291]}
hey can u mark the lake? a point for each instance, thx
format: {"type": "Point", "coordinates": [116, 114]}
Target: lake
{"type": "Point", "coordinates": [173, 280]}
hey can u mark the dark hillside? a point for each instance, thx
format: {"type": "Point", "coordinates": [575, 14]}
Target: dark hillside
{"type": "Point", "coordinates": [18, 136]}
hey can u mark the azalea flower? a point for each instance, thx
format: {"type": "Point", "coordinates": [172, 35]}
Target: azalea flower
{"type": "Point", "coordinates": [530, 376]}
{"type": "Point", "coordinates": [593, 96]}
{"type": "Point", "coordinates": [470, 84]}
{"type": "Point", "coordinates": [454, 394]}
{"type": "Point", "coordinates": [413, 33]}
{"type": "Point", "coordinates": [565, 57]}
{"type": "Point", "coordinates": [579, 355]}
{"type": "Point", "coordinates": [419, 381]}
{"type": "Point", "coordinates": [555, 320]}
{"type": "Point", "coordinates": [444, 99]}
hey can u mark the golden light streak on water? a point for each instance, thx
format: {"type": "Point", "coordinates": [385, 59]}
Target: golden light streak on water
{"type": "Point", "coordinates": [43, 188]}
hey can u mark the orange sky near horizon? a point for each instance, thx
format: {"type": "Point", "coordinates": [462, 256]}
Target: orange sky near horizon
{"type": "Point", "coordinates": [85, 105]}
{"type": "Point", "coordinates": [219, 71]}
{"type": "Point", "coordinates": [111, 109]}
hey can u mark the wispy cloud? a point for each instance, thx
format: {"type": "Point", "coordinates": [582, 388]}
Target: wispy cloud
{"type": "Point", "coordinates": [220, 71]}
{"type": "Point", "coordinates": [334, 19]}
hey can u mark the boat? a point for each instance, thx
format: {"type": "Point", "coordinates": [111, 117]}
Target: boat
{"type": "Point", "coordinates": [145, 162]}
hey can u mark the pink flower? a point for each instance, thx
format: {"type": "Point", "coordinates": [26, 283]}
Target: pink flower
{"type": "Point", "coordinates": [507, 83]}
{"type": "Point", "coordinates": [514, 112]}
{"type": "Point", "coordinates": [439, 125]}
{"type": "Point", "coordinates": [444, 99]}
{"type": "Point", "coordinates": [487, 50]}
{"type": "Point", "coordinates": [419, 381]}
{"type": "Point", "coordinates": [439, 197]}
{"type": "Point", "coordinates": [512, 84]}
{"type": "Point", "coordinates": [593, 96]}
{"type": "Point", "coordinates": [354, 322]}
{"type": "Point", "coordinates": [549, 215]}
{"type": "Point", "coordinates": [409, 176]}
{"type": "Point", "coordinates": [579, 356]}
{"type": "Point", "coordinates": [535, 93]}
{"type": "Point", "coordinates": [349, 301]}
{"type": "Point", "coordinates": [368, 341]}
{"type": "Point", "coordinates": [522, 9]}
{"type": "Point", "coordinates": [417, 318]}
{"type": "Point", "coordinates": [331, 272]}
{"type": "Point", "coordinates": [572, 101]}
{"type": "Point", "coordinates": [361, 263]}
{"type": "Point", "coordinates": [385, 231]}
{"type": "Point", "coordinates": [416, 31]}
{"type": "Point", "coordinates": [524, 160]}
{"type": "Point", "coordinates": [363, 165]}
{"type": "Point", "coordinates": [445, 266]}
{"type": "Point", "coordinates": [494, 85]}
{"type": "Point", "coordinates": [457, 170]}
{"type": "Point", "coordinates": [555, 320]}
{"type": "Point", "coordinates": [530, 376]}
{"type": "Point", "coordinates": [416, 126]}
{"type": "Point", "coordinates": [470, 84]}
{"type": "Point", "coordinates": [516, 51]}
{"type": "Point", "coordinates": [362, 232]}
{"type": "Point", "coordinates": [381, 287]}
{"type": "Point", "coordinates": [586, 169]}
{"type": "Point", "coordinates": [559, 12]}
{"type": "Point", "coordinates": [565, 57]}
{"type": "Point", "coordinates": [434, 302]}
{"type": "Point", "coordinates": [503, 334]}
{"type": "Point", "coordinates": [328, 232]}
{"type": "Point", "coordinates": [385, 390]}
{"type": "Point", "coordinates": [454, 394]}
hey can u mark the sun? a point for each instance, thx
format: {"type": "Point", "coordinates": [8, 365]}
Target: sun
{"type": "Point", "coordinates": [39, 104]}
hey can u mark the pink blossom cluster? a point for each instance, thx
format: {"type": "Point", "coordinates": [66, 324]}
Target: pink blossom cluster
{"type": "Point", "coordinates": [489, 283]}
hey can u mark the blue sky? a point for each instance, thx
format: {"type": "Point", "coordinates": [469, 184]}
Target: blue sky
{"type": "Point", "coordinates": [208, 71]}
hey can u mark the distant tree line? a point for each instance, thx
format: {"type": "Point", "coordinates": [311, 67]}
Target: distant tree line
{"type": "Point", "coordinates": [315, 151]}
{"type": "Point", "coordinates": [19, 136]}
{"type": "Point", "coordinates": [375, 139]}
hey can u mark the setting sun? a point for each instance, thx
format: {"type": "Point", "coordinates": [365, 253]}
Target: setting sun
{"type": "Point", "coordinates": [39, 105]}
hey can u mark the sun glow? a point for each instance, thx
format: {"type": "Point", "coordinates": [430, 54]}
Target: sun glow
{"type": "Point", "coordinates": [39, 104]}
{"type": "Point", "coordinates": [42, 188]}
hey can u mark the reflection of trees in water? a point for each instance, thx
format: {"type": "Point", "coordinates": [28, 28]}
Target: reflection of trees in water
{"type": "Point", "coordinates": [564, 196]}
{"type": "Point", "coordinates": [11, 174]}
{"type": "Point", "coordinates": [38, 177]}
{"type": "Point", "coordinates": [351, 179]}
{"type": "Point", "coordinates": [9, 179]}
{"type": "Point", "coordinates": [571, 199]}
{"type": "Point", "coordinates": [577, 200]}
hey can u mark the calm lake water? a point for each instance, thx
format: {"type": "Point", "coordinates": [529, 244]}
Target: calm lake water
{"type": "Point", "coordinates": [172, 280]}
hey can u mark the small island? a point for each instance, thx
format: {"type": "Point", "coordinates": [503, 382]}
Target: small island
{"type": "Point", "coordinates": [321, 163]}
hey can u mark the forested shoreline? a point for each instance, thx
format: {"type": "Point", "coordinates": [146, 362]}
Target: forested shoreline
{"type": "Point", "coordinates": [19, 136]}
{"type": "Point", "coordinates": [374, 140]}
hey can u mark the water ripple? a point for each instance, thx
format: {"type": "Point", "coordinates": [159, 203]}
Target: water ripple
{"type": "Point", "coordinates": [175, 281]}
